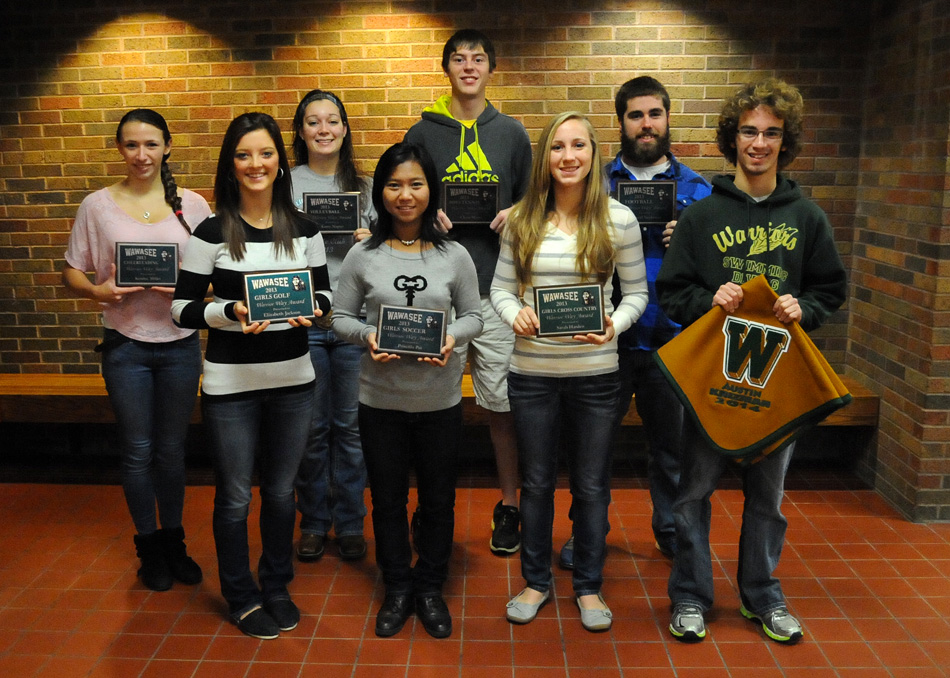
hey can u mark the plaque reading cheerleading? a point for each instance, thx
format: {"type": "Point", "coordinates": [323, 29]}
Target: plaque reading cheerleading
{"type": "Point", "coordinates": [145, 264]}
{"type": "Point", "coordinates": [652, 202]}
{"type": "Point", "coordinates": [333, 212]}
{"type": "Point", "coordinates": [566, 310]}
{"type": "Point", "coordinates": [278, 296]}
{"type": "Point", "coordinates": [408, 330]}
{"type": "Point", "coordinates": [470, 202]}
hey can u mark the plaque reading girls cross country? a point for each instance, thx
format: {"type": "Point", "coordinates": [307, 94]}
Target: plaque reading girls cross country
{"type": "Point", "coordinates": [278, 296]}
{"type": "Point", "coordinates": [652, 202]}
{"type": "Point", "coordinates": [470, 202]}
{"type": "Point", "coordinates": [334, 213]}
{"type": "Point", "coordinates": [145, 264]}
{"type": "Point", "coordinates": [566, 310]}
{"type": "Point", "coordinates": [409, 330]}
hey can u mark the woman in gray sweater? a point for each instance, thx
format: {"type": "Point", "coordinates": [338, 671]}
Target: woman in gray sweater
{"type": "Point", "coordinates": [410, 408]}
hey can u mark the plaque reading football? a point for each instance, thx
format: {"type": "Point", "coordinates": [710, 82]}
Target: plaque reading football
{"type": "Point", "coordinates": [333, 212]}
{"type": "Point", "coordinates": [470, 202]}
{"type": "Point", "coordinates": [278, 296]}
{"type": "Point", "coordinates": [144, 264]}
{"type": "Point", "coordinates": [408, 330]}
{"type": "Point", "coordinates": [652, 202]}
{"type": "Point", "coordinates": [566, 310]}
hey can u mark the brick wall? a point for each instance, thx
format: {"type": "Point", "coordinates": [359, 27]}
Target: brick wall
{"type": "Point", "coordinates": [69, 73]}
{"type": "Point", "coordinates": [900, 325]}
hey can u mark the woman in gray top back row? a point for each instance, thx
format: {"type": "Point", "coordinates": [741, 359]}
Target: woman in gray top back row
{"type": "Point", "coordinates": [332, 475]}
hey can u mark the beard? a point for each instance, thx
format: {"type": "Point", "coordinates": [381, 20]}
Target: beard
{"type": "Point", "coordinates": [638, 155]}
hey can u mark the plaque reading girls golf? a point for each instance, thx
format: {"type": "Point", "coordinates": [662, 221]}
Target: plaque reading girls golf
{"type": "Point", "coordinates": [652, 202]}
{"type": "Point", "coordinates": [408, 330]}
{"type": "Point", "coordinates": [333, 212]}
{"type": "Point", "coordinates": [566, 310]}
{"type": "Point", "coordinates": [278, 296]}
{"type": "Point", "coordinates": [145, 264]}
{"type": "Point", "coordinates": [470, 202]}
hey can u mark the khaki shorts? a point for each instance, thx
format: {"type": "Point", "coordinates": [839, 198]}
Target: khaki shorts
{"type": "Point", "coordinates": [490, 353]}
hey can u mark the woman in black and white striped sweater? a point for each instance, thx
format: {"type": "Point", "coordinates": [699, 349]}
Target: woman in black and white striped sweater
{"type": "Point", "coordinates": [257, 388]}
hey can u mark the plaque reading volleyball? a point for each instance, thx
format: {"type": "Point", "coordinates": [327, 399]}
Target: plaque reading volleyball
{"type": "Point", "coordinates": [566, 310]}
{"type": "Point", "coordinates": [470, 202]}
{"type": "Point", "coordinates": [652, 202]}
{"type": "Point", "coordinates": [144, 264]}
{"type": "Point", "coordinates": [333, 212]}
{"type": "Point", "coordinates": [278, 296]}
{"type": "Point", "coordinates": [408, 330]}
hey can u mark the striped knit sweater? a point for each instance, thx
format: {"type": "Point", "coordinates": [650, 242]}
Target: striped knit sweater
{"type": "Point", "coordinates": [235, 362]}
{"type": "Point", "coordinates": [554, 264]}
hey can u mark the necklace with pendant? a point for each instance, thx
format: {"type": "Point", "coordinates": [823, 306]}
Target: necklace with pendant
{"type": "Point", "coordinates": [408, 243]}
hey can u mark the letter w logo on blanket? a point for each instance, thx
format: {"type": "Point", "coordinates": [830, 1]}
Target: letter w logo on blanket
{"type": "Point", "coordinates": [752, 350]}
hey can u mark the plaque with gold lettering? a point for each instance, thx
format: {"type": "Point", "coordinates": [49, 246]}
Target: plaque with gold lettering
{"type": "Point", "coordinates": [334, 213]}
{"type": "Point", "coordinates": [409, 330]}
{"type": "Point", "coordinates": [652, 202]}
{"type": "Point", "coordinates": [145, 264]}
{"type": "Point", "coordinates": [566, 310]}
{"type": "Point", "coordinates": [470, 202]}
{"type": "Point", "coordinates": [278, 296]}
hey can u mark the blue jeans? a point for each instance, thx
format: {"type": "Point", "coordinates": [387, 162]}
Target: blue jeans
{"type": "Point", "coordinates": [394, 443]}
{"type": "Point", "coordinates": [587, 407]}
{"type": "Point", "coordinates": [761, 537]}
{"type": "Point", "coordinates": [271, 425]}
{"type": "Point", "coordinates": [332, 474]}
{"type": "Point", "coordinates": [152, 388]}
{"type": "Point", "coordinates": [662, 415]}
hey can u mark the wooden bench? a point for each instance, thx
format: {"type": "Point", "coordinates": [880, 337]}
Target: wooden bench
{"type": "Point", "coordinates": [82, 398]}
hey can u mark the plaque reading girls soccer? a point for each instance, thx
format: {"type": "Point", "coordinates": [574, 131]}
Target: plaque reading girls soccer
{"type": "Point", "coordinates": [470, 202]}
{"type": "Point", "coordinates": [409, 330]}
{"type": "Point", "coordinates": [566, 310]}
{"type": "Point", "coordinates": [652, 202]}
{"type": "Point", "coordinates": [146, 264]}
{"type": "Point", "coordinates": [334, 213]}
{"type": "Point", "coordinates": [278, 296]}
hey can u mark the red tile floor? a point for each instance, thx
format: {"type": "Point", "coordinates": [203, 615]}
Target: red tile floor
{"type": "Point", "coordinates": [872, 590]}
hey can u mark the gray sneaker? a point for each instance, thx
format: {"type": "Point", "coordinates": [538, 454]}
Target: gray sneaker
{"type": "Point", "coordinates": [687, 623]}
{"type": "Point", "coordinates": [778, 625]}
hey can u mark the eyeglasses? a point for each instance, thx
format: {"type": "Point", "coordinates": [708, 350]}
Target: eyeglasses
{"type": "Point", "coordinates": [770, 134]}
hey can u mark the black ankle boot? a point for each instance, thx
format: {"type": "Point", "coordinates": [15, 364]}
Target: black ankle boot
{"type": "Point", "coordinates": [182, 567]}
{"type": "Point", "coordinates": [154, 572]}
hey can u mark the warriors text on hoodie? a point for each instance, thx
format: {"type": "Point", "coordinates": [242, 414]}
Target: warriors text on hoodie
{"type": "Point", "coordinates": [729, 237]}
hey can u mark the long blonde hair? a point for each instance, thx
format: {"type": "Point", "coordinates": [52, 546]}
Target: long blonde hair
{"type": "Point", "coordinates": [527, 222]}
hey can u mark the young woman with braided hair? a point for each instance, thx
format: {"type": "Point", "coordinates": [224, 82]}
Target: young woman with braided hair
{"type": "Point", "coordinates": [150, 366]}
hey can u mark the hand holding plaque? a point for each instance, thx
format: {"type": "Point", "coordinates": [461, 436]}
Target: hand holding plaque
{"type": "Point", "coordinates": [569, 310]}
{"type": "Point", "coordinates": [280, 296]}
{"type": "Point", "coordinates": [470, 202]}
{"type": "Point", "coordinates": [144, 264]}
{"type": "Point", "coordinates": [652, 202]}
{"type": "Point", "coordinates": [408, 330]}
{"type": "Point", "coordinates": [334, 213]}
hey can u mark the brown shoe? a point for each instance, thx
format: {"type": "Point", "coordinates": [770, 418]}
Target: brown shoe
{"type": "Point", "coordinates": [310, 547]}
{"type": "Point", "coordinates": [352, 546]}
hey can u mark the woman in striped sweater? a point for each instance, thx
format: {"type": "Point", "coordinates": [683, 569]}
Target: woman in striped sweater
{"type": "Point", "coordinates": [257, 390]}
{"type": "Point", "coordinates": [566, 231]}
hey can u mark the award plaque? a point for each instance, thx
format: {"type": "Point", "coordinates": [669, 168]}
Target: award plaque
{"type": "Point", "coordinates": [470, 202]}
{"type": "Point", "coordinates": [652, 202]}
{"type": "Point", "coordinates": [278, 296]}
{"type": "Point", "coordinates": [146, 264]}
{"type": "Point", "coordinates": [333, 212]}
{"type": "Point", "coordinates": [408, 330]}
{"type": "Point", "coordinates": [566, 310]}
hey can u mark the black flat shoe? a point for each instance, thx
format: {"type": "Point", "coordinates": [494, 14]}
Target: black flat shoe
{"type": "Point", "coordinates": [392, 616]}
{"type": "Point", "coordinates": [434, 615]}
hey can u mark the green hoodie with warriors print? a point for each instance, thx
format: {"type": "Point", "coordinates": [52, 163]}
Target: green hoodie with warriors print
{"type": "Point", "coordinates": [493, 149]}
